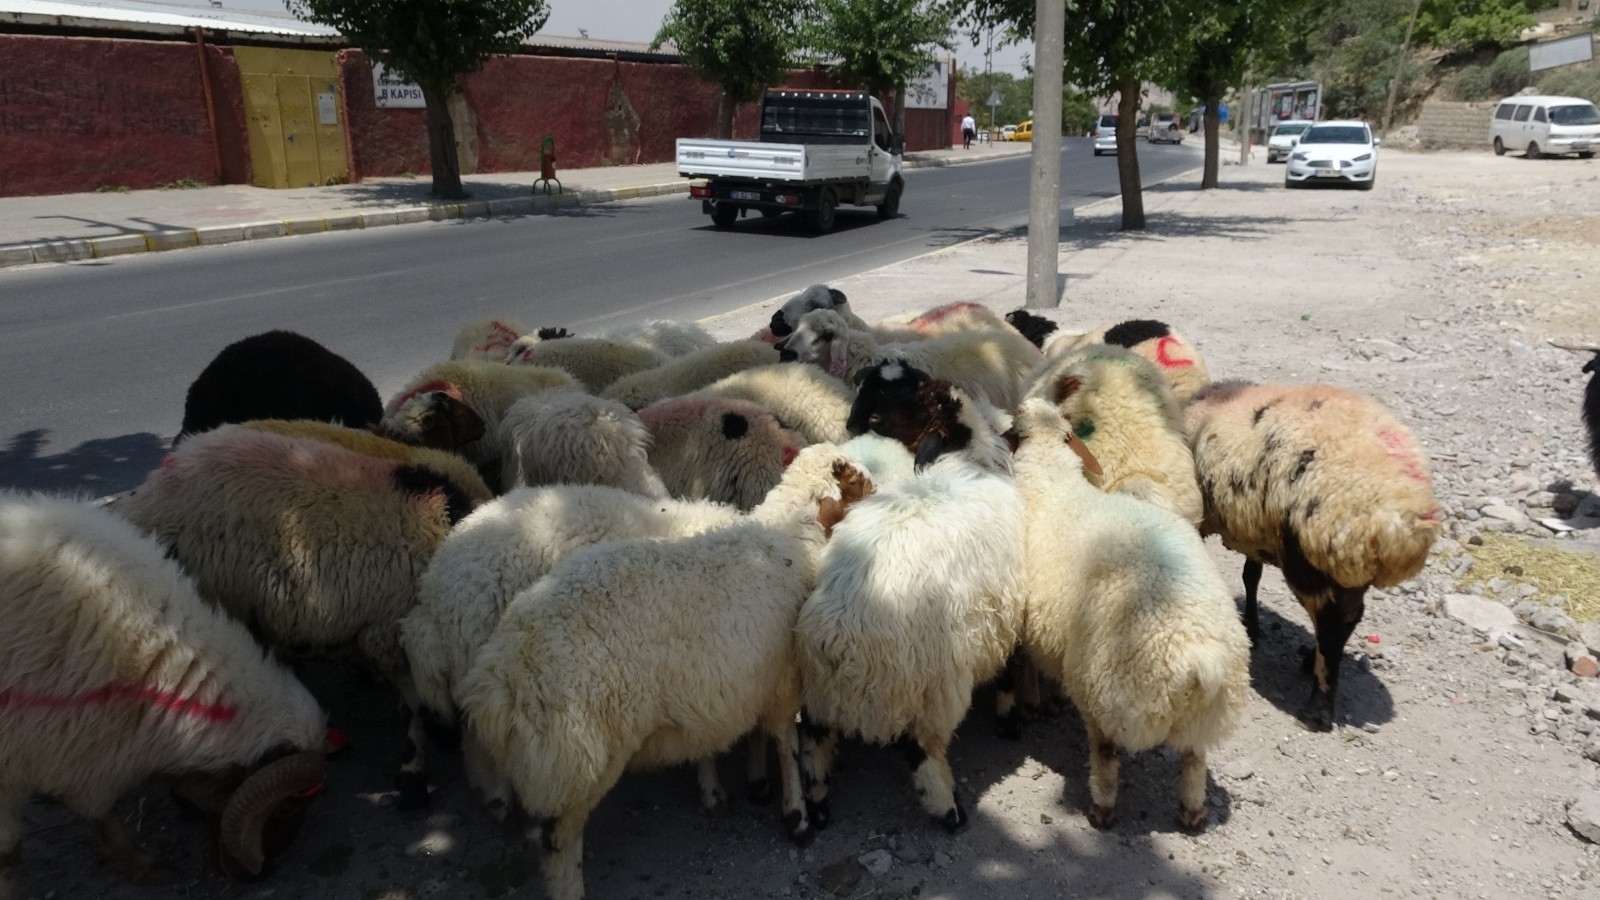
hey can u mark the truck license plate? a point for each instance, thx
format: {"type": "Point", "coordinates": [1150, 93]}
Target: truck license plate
{"type": "Point", "coordinates": [744, 195]}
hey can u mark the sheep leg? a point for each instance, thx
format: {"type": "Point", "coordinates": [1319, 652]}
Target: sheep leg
{"type": "Point", "coordinates": [713, 799]}
{"type": "Point", "coordinates": [819, 745]}
{"type": "Point", "coordinates": [119, 850]}
{"type": "Point", "coordinates": [1252, 615]}
{"type": "Point", "coordinates": [1192, 791]}
{"type": "Point", "coordinates": [794, 806]}
{"type": "Point", "coordinates": [1007, 711]}
{"type": "Point", "coordinates": [1104, 770]}
{"type": "Point", "coordinates": [10, 846]}
{"type": "Point", "coordinates": [757, 784]}
{"type": "Point", "coordinates": [1334, 620]}
{"type": "Point", "coordinates": [412, 779]}
{"type": "Point", "coordinates": [561, 856]}
{"type": "Point", "coordinates": [930, 773]}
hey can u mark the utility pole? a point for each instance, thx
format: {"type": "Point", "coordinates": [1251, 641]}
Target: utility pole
{"type": "Point", "coordinates": [1044, 184]}
{"type": "Point", "coordinates": [988, 76]}
{"type": "Point", "coordinates": [1245, 114]}
{"type": "Point", "coordinates": [1399, 63]}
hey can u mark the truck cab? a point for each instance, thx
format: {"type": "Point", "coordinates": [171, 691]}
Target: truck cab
{"type": "Point", "coordinates": [818, 149]}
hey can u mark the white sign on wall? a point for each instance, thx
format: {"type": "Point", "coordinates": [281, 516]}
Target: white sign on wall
{"type": "Point", "coordinates": [327, 108]}
{"type": "Point", "coordinates": [1564, 52]}
{"type": "Point", "coordinates": [932, 90]}
{"type": "Point", "coordinates": [393, 93]}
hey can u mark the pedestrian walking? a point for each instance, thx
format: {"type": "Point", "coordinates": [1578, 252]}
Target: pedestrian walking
{"type": "Point", "coordinates": [969, 130]}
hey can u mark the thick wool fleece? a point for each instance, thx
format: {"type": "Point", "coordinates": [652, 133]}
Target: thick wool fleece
{"type": "Point", "coordinates": [690, 372]}
{"type": "Point", "coordinates": [1123, 410]}
{"type": "Point", "coordinates": [314, 545]}
{"type": "Point", "coordinates": [1158, 342]}
{"type": "Point", "coordinates": [368, 444]}
{"type": "Point", "coordinates": [506, 546]}
{"type": "Point", "coordinates": [596, 363]}
{"type": "Point", "coordinates": [1328, 466]}
{"type": "Point", "coordinates": [707, 448]}
{"type": "Point", "coordinates": [279, 375]}
{"type": "Point", "coordinates": [668, 338]}
{"type": "Point", "coordinates": [114, 671]}
{"type": "Point", "coordinates": [569, 437]}
{"type": "Point", "coordinates": [487, 340]}
{"type": "Point", "coordinates": [802, 398]}
{"type": "Point", "coordinates": [488, 389]}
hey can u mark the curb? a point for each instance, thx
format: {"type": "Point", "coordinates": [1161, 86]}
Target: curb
{"type": "Point", "coordinates": [177, 239]}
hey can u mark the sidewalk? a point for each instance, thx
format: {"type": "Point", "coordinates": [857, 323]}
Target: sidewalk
{"type": "Point", "coordinates": [64, 227]}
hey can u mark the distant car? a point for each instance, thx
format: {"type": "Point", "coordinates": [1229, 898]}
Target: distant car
{"type": "Point", "coordinates": [1023, 132]}
{"type": "Point", "coordinates": [1105, 134]}
{"type": "Point", "coordinates": [1164, 127]}
{"type": "Point", "coordinates": [1006, 132]}
{"type": "Point", "coordinates": [1340, 152]}
{"type": "Point", "coordinates": [1284, 138]}
{"type": "Point", "coordinates": [1545, 126]}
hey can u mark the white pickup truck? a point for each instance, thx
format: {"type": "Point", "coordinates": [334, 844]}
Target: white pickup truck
{"type": "Point", "coordinates": [818, 149]}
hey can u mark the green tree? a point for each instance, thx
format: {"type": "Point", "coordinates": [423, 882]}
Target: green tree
{"type": "Point", "coordinates": [431, 43]}
{"type": "Point", "coordinates": [741, 46]}
{"type": "Point", "coordinates": [880, 45]}
{"type": "Point", "coordinates": [1016, 95]}
{"type": "Point", "coordinates": [1079, 114]}
{"type": "Point", "coordinates": [1471, 24]}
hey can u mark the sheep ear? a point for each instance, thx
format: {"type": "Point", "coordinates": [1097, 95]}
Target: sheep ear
{"type": "Point", "coordinates": [779, 325]}
{"type": "Point", "coordinates": [734, 426]}
{"type": "Point", "coordinates": [450, 424]}
{"type": "Point", "coordinates": [838, 296]}
{"type": "Point", "coordinates": [1065, 387]}
{"type": "Point", "coordinates": [1090, 464]}
{"type": "Point", "coordinates": [928, 449]}
{"type": "Point", "coordinates": [838, 351]}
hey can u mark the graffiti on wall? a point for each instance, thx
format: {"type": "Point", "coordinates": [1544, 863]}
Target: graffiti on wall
{"type": "Point", "coordinates": [83, 106]}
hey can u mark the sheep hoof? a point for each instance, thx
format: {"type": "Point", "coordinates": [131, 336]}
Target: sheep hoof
{"type": "Point", "coordinates": [819, 813]}
{"type": "Point", "coordinates": [1192, 821]}
{"type": "Point", "coordinates": [714, 804]}
{"type": "Point", "coordinates": [1308, 662]}
{"type": "Point", "coordinates": [800, 831]}
{"type": "Point", "coordinates": [955, 819]}
{"type": "Point", "coordinates": [1317, 715]}
{"type": "Point", "coordinates": [1102, 817]}
{"type": "Point", "coordinates": [759, 791]}
{"type": "Point", "coordinates": [413, 788]}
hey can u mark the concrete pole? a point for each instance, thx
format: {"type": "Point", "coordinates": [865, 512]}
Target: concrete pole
{"type": "Point", "coordinates": [1044, 185]}
{"type": "Point", "coordinates": [1246, 114]}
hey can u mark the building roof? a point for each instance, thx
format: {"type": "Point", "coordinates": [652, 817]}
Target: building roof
{"type": "Point", "coordinates": [155, 17]}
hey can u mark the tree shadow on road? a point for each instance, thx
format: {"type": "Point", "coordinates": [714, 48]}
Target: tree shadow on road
{"type": "Point", "coordinates": [93, 468]}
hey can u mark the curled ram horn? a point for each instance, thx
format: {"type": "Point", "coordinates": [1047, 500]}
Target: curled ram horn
{"type": "Point", "coordinates": [1577, 346]}
{"type": "Point", "coordinates": [245, 816]}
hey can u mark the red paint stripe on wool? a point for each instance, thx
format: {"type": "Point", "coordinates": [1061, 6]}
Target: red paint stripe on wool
{"type": "Point", "coordinates": [1395, 443]}
{"type": "Point", "coordinates": [942, 313]}
{"type": "Point", "coordinates": [148, 695]}
{"type": "Point", "coordinates": [1165, 358]}
{"type": "Point", "coordinates": [443, 387]}
{"type": "Point", "coordinates": [502, 337]}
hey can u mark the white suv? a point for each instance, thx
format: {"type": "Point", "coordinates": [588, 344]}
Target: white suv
{"type": "Point", "coordinates": [1105, 134]}
{"type": "Point", "coordinates": [1284, 137]}
{"type": "Point", "coordinates": [1164, 127]}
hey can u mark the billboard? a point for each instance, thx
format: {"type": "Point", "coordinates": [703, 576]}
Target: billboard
{"type": "Point", "coordinates": [932, 90]}
{"type": "Point", "coordinates": [1564, 52]}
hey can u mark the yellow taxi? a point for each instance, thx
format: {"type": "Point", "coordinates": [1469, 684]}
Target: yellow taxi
{"type": "Point", "coordinates": [1024, 131]}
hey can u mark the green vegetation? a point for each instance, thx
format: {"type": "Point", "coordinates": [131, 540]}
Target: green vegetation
{"type": "Point", "coordinates": [742, 46]}
{"type": "Point", "coordinates": [183, 184]}
{"type": "Point", "coordinates": [880, 45]}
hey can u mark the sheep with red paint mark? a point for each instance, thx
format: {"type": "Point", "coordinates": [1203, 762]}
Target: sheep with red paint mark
{"type": "Point", "coordinates": [487, 340]}
{"type": "Point", "coordinates": [452, 466]}
{"type": "Point", "coordinates": [646, 653]}
{"type": "Point", "coordinates": [689, 373]}
{"type": "Point", "coordinates": [1124, 411]}
{"type": "Point", "coordinates": [1126, 611]}
{"type": "Point", "coordinates": [458, 406]}
{"type": "Point", "coordinates": [1158, 342]}
{"type": "Point", "coordinates": [1323, 483]}
{"type": "Point", "coordinates": [113, 671]}
{"type": "Point", "coordinates": [711, 448]}
{"type": "Point", "coordinates": [315, 546]}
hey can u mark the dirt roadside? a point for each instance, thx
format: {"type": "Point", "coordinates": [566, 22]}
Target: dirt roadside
{"type": "Point", "coordinates": [1456, 754]}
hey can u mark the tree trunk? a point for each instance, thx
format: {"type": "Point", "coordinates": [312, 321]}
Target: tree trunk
{"type": "Point", "coordinates": [442, 144]}
{"type": "Point", "coordinates": [899, 119]}
{"type": "Point", "coordinates": [1128, 154]}
{"type": "Point", "coordinates": [725, 109]}
{"type": "Point", "coordinates": [1212, 125]}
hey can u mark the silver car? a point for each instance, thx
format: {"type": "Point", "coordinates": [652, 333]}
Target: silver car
{"type": "Point", "coordinates": [1105, 134]}
{"type": "Point", "coordinates": [1342, 152]}
{"type": "Point", "coordinates": [1284, 137]}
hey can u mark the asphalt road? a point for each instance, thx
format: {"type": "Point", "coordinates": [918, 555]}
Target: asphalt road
{"type": "Point", "coordinates": [98, 354]}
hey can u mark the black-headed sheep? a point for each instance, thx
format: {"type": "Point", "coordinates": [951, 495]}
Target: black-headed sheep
{"type": "Point", "coordinates": [1126, 611]}
{"type": "Point", "coordinates": [113, 672]}
{"type": "Point", "coordinates": [642, 654]}
{"type": "Point", "coordinates": [817, 296]}
{"type": "Point", "coordinates": [1591, 395]}
{"type": "Point", "coordinates": [279, 375]}
{"type": "Point", "coordinates": [1326, 485]}
{"type": "Point", "coordinates": [458, 406]}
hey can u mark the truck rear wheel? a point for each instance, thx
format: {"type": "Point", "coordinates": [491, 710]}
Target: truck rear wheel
{"type": "Point", "coordinates": [723, 215]}
{"type": "Point", "coordinates": [821, 217]}
{"type": "Point", "coordinates": [890, 207]}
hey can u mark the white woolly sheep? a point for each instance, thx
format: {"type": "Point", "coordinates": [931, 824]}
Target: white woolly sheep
{"type": "Point", "coordinates": [707, 448]}
{"type": "Point", "coordinates": [488, 340]}
{"type": "Point", "coordinates": [1326, 485]}
{"type": "Point", "coordinates": [452, 466]}
{"type": "Point", "coordinates": [817, 296]}
{"type": "Point", "coordinates": [113, 671]}
{"type": "Point", "coordinates": [313, 545]}
{"type": "Point", "coordinates": [951, 318]}
{"type": "Point", "coordinates": [1156, 341]}
{"type": "Point", "coordinates": [642, 654]}
{"type": "Point", "coordinates": [1123, 409]}
{"type": "Point", "coordinates": [988, 365]}
{"type": "Point", "coordinates": [508, 545]}
{"type": "Point", "coordinates": [884, 459]}
{"type": "Point", "coordinates": [569, 437]}
{"type": "Point", "coordinates": [1125, 610]}
{"type": "Point", "coordinates": [689, 372]}
{"type": "Point", "coordinates": [668, 338]}
{"type": "Point", "coordinates": [919, 591]}
{"type": "Point", "coordinates": [596, 363]}
{"type": "Point", "coordinates": [802, 398]}
{"type": "Point", "coordinates": [458, 405]}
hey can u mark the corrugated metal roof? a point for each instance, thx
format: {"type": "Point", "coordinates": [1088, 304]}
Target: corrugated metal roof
{"type": "Point", "coordinates": [154, 16]}
{"type": "Point", "coordinates": [562, 42]}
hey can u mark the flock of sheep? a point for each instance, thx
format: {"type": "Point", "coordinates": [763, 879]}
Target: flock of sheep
{"type": "Point", "coordinates": [631, 550]}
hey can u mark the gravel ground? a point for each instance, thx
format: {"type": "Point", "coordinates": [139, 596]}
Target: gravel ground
{"type": "Point", "coordinates": [1458, 748]}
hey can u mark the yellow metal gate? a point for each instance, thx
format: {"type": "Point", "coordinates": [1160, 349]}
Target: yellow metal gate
{"type": "Point", "coordinates": [293, 116]}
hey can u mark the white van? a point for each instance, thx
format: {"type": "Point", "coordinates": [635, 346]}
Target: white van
{"type": "Point", "coordinates": [1545, 126]}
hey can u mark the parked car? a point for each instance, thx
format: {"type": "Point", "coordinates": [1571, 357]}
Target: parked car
{"type": "Point", "coordinates": [1006, 132]}
{"type": "Point", "coordinates": [1284, 137]}
{"type": "Point", "coordinates": [1024, 131]}
{"type": "Point", "coordinates": [1339, 152]}
{"type": "Point", "coordinates": [1545, 126]}
{"type": "Point", "coordinates": [1105, 134]}
{"type": "Point", "coordinates": [1164, 127]}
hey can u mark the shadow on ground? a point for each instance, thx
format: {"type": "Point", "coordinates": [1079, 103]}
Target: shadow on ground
{"type": "Point", "coordinates": [93, 468]}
